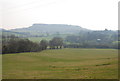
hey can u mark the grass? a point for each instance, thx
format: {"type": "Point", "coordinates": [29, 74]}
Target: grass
{"type": "Point", "coordinates": [0, 66]}
{"type": "Point", "coordinates": [38, 39]}
{"type": "Point", "coordinates": [48, 38]}
{"type": "Point", "coordinates": [62, 64]}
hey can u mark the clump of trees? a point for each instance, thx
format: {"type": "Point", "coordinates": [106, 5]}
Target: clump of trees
{"type": "Point", "coordinates": [93, 39]}
{"type": "Point", "coordinates": [13, 44]}
{"type": "Point", "coordinates": [56, 43]}
{"type": "Point", "coordinates": [44, 44]}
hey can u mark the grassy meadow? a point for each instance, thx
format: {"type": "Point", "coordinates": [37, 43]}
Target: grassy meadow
{"type": "Point", "coordinates": [38, 39]}
{"type": "Point", "coordinates": [69, 63]}
{"type": "Point", "coordinates": [48, 38]}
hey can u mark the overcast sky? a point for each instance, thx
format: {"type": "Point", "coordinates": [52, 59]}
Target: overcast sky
{"type": "Point", "coordinates": [90, 14]}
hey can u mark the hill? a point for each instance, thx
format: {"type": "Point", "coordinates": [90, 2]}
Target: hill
{"type": "Point", "coordinates": [42, 29]}
{"type": "Point", "coordinates": [9, 32]}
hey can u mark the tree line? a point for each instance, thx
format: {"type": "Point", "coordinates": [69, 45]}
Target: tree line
{"type": "Point", "coordinates": [94, 39]}
{"type": "Point", "coordinates": [14, 44]}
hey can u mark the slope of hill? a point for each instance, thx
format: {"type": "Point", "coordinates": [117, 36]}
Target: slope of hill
{"type": "Point", "coordinates": [38, 29]}
{"type": "Point", "coordinates": [9, 32]}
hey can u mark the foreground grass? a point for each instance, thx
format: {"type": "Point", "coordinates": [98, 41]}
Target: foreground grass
{"type": "Point", "coordinates": [62, 64]}
{"type": "Point", "coordinates": [0, 66]}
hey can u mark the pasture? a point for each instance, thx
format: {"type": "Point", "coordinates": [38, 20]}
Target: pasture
{"type": "Point", "coordinates": [68, 63]}
{"type": "Point", "coordinates": [38, 39]}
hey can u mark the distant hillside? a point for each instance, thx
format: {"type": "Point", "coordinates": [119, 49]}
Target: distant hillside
{"type": "Point", "coordinates": [38, 29]}
{"type": "Point", "coordinates": [9, 32]}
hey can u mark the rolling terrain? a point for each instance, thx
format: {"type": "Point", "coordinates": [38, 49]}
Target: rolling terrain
{"type": "Point", "coordinates": [44, 30]}
{"type": "Point", "coordinates": [39, 29]}
{"type": "Point", "coordinates": [69, 63]}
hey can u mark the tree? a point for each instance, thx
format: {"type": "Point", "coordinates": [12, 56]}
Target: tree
{"type": "Point", "coordinates": [51, 44]}
{"type": "Point", "coordinates": [12, 44]}
{"type": "Point", "coordinates": [44, 44]}
{"type": "Point", "coordinates": [56, 42]}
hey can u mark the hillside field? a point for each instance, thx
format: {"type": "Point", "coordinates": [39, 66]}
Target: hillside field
{"type": "Point", "coordinates": [48, 38]}
{"type": "Point", "coordinates": [68, 63]}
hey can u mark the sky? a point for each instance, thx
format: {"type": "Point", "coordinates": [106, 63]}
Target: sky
{"type": "Point", "coordinates": [90, 14]}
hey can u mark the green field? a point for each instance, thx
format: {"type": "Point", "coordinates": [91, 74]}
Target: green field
{"type": "Point", "coordinates": [62, 64]}
{"type": "Point", "coordinates": [48, 38]}
{"type": "Point", "coordinates": [38, 39]}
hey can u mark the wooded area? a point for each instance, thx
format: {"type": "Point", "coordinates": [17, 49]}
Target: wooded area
{"type": "Point", "coordinates": [13, 44]}
{"type": "Point", "coordinates": [94, 39]}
